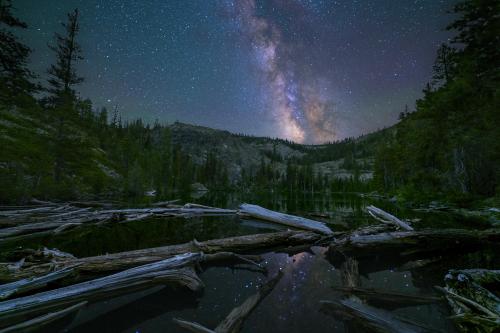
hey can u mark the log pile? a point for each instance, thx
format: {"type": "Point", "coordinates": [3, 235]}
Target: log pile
{"type": "Point", "coordinates": [56, 218]}
{"type": "Point", "coordinates": [123, 260]}
{"type": "Point", "coordinates": [36, 297]}
{"type": "Point", "coordinates": [47, 284]}
{"type": "Point", "coordinates": [472, 295]}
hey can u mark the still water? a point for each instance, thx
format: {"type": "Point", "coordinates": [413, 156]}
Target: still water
{"type": "Point", "coordinates": [293, 305]}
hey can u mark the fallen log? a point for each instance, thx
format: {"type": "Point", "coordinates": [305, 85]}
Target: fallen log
{"type": "Point", "coordinates": [384, 217]}
{"type": "Point", "coordinates": [22, 286]}
{"type": "Point", "coordinates": [387, 298]}
{"type": "Point", "coordinates": [476, 308]}
{"type": "Point", "coordinates": [234, 321]}
{"type": "Point", "coordinates": [43, 220]}
{"type": "Point", "coordinates": [39, 322]}
{"type": "Point", "coordinates": [280, 218]}
{"type": "Point", "coordinates": [369, 317]}
{"type": "Point", "coordinates": [123, 260]}
{"type": "Point", "coordinates": [168, 271]}
{"type": "Point", "coordinates": [414, 241]}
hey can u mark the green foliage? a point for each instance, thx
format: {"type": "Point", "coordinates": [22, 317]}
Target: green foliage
{"type": "Point", "coordinates": [451, 145]}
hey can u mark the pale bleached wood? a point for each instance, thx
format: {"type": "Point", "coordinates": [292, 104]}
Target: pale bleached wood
{"type": "Point", "coordinates": [416, 241]}
{"type": "Point", "coordinates": [286, 219]}
{"type": "Point", "coordinates": [376, 320]}
{"type": "Point", "coordinates": [234, 321]}
{"type": "Point", "coordinates": [22, 286]}
{"type": "Point", "coordinates": [123, 260]}
{"type": "Point", "coordinates": [168, 271]}
{"type": "Point", "coordinates": [385, 217]}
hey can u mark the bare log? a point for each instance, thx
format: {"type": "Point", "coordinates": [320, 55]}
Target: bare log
{"type": "Point", "coordinates": [22, 286]}
{"type": "Point", "coordinates": [168, 271]}
{"type": "Point", "coordinates": [124, 260]}
{"type": "Point", "coordinates": [374, 319]}
{"type": "Point", "coordinates": [39, 322]}
{"type": "Point", "coordinates": [394, 300]}
{"type": "Point", "coordinates": [476, 308]}
{"type": "Point", "coordinates": [289, 220]}
{"type": "Point", "coordinates": [165, 203]}
{"type": "Point", "coordinates": [415, 241]}
{"type": "Point", "coordinates": [44, 220]}
{"type": "Point", "coordinates": [385, 217]}
{"type": "Point", "coordinates": [192, 326]}
{"type": "Point", "coordinates": [234, 321]}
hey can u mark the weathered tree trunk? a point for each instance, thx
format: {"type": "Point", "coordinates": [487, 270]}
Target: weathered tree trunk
{"type": "Point", "coordinates": [39, 322]}
{"type": "Point", "coordinates": [168, 271]}
{"type": "Point", "coordinates": [22, 286]}
{"type": "Point", "coordinates": [391, 300]}
{"type": "Point", "coordinates": [58, 218]}
{"type": "Point", "coordinates": [387, 218]}
{"type": "Point", "coordinates": [123, 260]}
{"type": "Point", "coordinates": [414, 241]}
{"type": "Point", "coordinates": [476, 308]}
{"type": "Point", "coordinates": [289, 220]}
{"type": "Point", "coordinates": [374, 319]}
{"type": "Point", "coordinates": [234, 321]}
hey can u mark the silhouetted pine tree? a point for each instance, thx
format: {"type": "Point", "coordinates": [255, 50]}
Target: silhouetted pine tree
{"type": "Point", "coordinates": [14, 75]}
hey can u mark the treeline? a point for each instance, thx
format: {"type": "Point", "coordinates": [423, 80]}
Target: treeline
{"type": "Point", "coordinates": [450, 146]}
{"type": "Point", "coordinates": [301, 178]}
{"type": "Point", "coordinates": [56, 145]}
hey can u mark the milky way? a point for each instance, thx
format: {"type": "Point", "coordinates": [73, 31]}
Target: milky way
{"type": "Point", "coordinates": [300, 105]}
{"type": "Point", "coordinates": [310, 71]}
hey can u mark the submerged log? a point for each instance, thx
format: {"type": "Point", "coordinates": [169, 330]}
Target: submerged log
{"type": "Point", "coordinates": [289, 220]}
{"type": "Point", "coordinates": [169, 271]}
{"type": "Point", "coordinates": [39, 322]}
{"type": "Point", "coordinates": [415, 241]}
{"type": "Point", "coordinates": [384, 217]}
{"type": "Point", "coordinates": [234, 321]}
{"type": "Point", "coordinates": [391, 299]}
{"type": "Point", "coordinates": [124, 260]}
{"type": "Point", "coordinates": [369, 317]}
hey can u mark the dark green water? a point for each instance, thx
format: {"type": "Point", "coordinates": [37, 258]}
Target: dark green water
{"type": "Point", "coordinates": [293, 306]}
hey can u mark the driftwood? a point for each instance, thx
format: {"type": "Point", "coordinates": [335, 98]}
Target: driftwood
{"type": "Point", "coordinates": [170, 271]}
{"type": "Point", "coordinates": [414, 241]}
{"type": "Point", "coordinates": [369, 317]}
{"type": "Point", "coordinates": [391, 299]}
{"type": "Point", "coordinates": [58, 218]}
{"type": "Point", "coordinates": [289, 220]}
{"type": "Point", "coordinates": [384, 217]}
{"type": "Point", "coordinates": [476, 308]}
{"type": "Point", "coordinates": [234, 321]}
{"type": "Point", "coordinates": [39, 322]}
{"type": "Point", "coordinates": [123, 260]}
{"type": "Point", "coordinates": [25, 285]}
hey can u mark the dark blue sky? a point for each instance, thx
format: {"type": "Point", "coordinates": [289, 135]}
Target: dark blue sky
{"type": "Point", "coordinates": [311, 71]}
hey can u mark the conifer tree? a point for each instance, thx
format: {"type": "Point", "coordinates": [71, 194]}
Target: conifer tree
{"type": "Point", "coordinates": [63, 74]}
{"type": "Point", "coordinates": [14, 74]}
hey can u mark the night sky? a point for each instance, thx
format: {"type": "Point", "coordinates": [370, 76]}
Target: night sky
{"type": "Point", "coordinates": [308, 70]}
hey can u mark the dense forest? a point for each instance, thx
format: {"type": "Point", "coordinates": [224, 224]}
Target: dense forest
{"type": "Point", "coordinates": [57, 145]}
{"type": "Point", "coordinates": [450, 146]}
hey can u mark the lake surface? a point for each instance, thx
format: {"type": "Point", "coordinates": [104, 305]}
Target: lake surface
{"type": "Point", "coordinates": [293, 305]}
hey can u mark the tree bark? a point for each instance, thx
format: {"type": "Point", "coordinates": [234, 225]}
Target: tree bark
{"type": "Point", "coordinates": [289, 220]}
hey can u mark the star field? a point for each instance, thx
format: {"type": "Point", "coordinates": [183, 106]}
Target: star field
{"type": "Point", "coordinates": [307, 70]}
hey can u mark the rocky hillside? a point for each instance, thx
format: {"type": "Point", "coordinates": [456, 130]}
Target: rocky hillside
{"type": "Point", "coordinates": [344, 159]}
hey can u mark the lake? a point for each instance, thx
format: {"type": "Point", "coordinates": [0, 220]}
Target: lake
{"type": "Point", "coordinates": [294, 305]}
